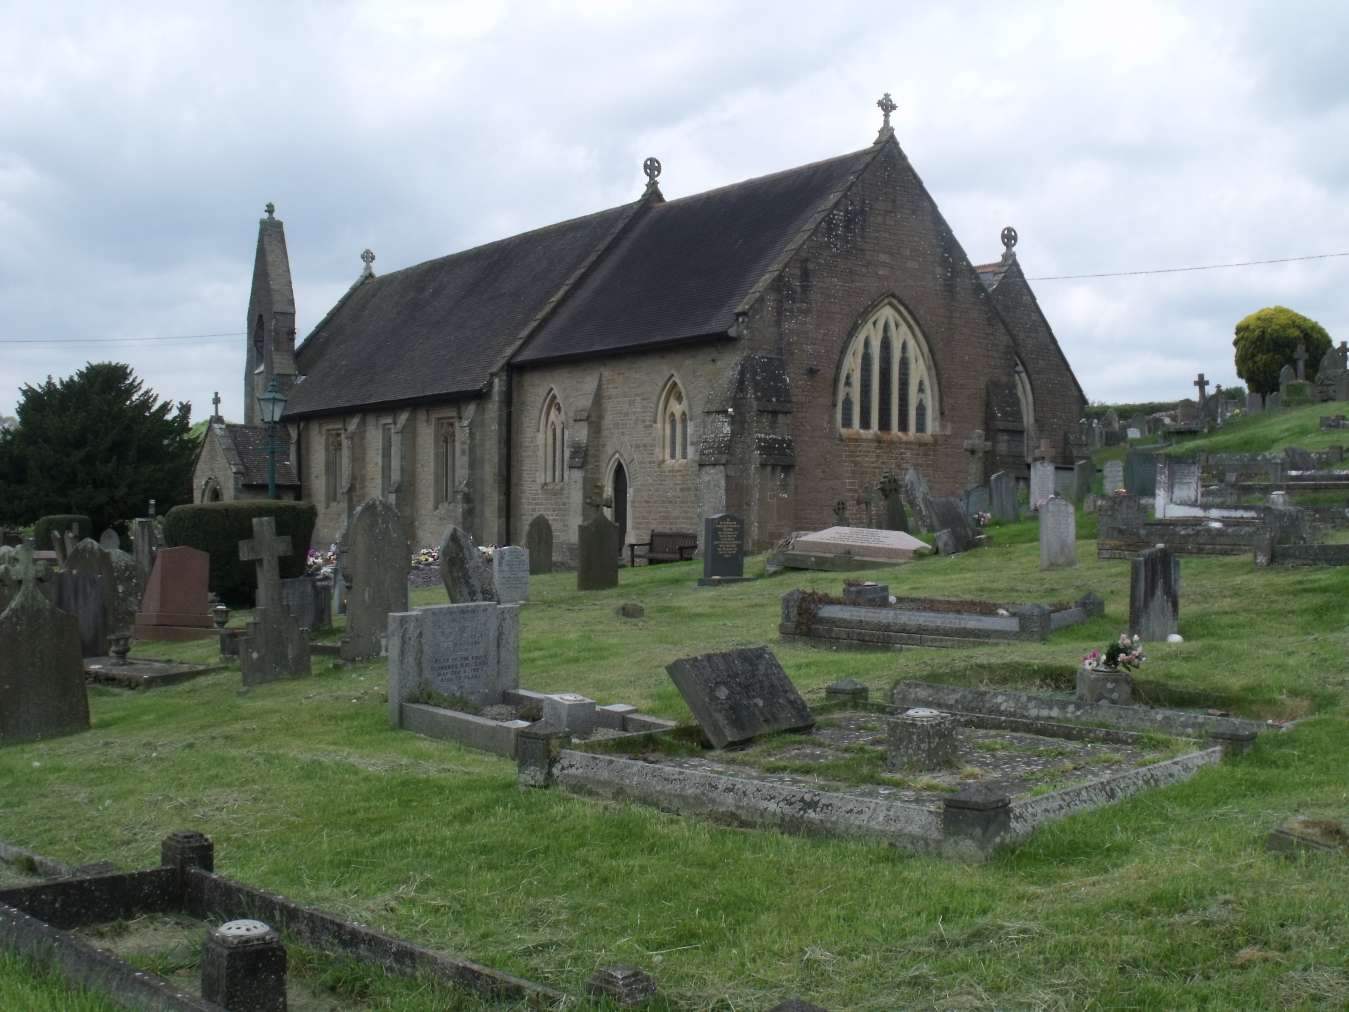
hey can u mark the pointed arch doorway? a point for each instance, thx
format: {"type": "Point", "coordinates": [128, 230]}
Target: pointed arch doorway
{"type": "Point", "coordinates": [618, 493]}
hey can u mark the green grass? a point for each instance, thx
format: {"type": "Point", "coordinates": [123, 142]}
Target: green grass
{"type": "Point", "coordinates": [1166, 900]}
{"type": "Point", "coordinates": [1270, 430]}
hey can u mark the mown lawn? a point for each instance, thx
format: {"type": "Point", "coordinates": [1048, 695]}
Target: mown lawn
{"type": "Point", "coordinates": [1167, 900]}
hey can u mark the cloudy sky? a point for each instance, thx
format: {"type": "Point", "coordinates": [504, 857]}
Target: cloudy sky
{"type": "Point", "coordinates": [139, 142]}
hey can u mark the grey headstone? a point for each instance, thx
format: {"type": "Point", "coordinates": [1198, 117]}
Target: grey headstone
{"type": "Point", "coordinates": [448, 652]}
{"type": "Point", "coordinates": [110, 540]}
{"type": "Point", "coordinates": [144, 545]}
{"type": "Point", "coordinates": [129, 587]}
{"type": "Point", "coordinates": [539, 544]}
{"type": "Point", "coordinates": [1058, 534]}
{"type": "Point", "coordinates": [894, 518]}
{"type": "Point", "coordinates": [917, 493]}
{"type": "Point", "coordinates": [949, 514]}
{"type": "Point", "coordinates": [945, 542]}
{"type": "Point", "coordinates": [1114, 476]}
{"type": "Point", "coordinates": [1273, 401]}
{"type": "Point", "coordinates": [1140, 472]}
{"type": "Point", "coordinates": [1154, 594]}
{"type": "Point", "coordinates": [87, 589]}
{"type": "Point", "coordinates": [723, 547]}
{"type": "Point", "coordinates": [510, 574]}
{"type": "Point", "coordinates": [273, 648]}
{"type": "Point", "coordinates": [465, 574]}
{"type": "Point", "coordinates": [977, 500]}
{"type": "Point", "coordinates": [597, 551]}
{"type": "Point", "coordinates": [1041, 482]}
{"type": "Point", "coordinates": [1254, 403]}
{"type": "Point", "coordinates": [1287, 375]}
{"type": "Point", "coordinates": [309, 600]}
{"type": "Point", "coordinates": [42, 691]}
{"type": "Point", "coordinates": [739, 694]}
{"type": "Point", "coordinates": [1002, 497]}
{"type": "Point", "coordinates": [375, 568]}
{"type": "Point", "coordinates": [1084, 476]}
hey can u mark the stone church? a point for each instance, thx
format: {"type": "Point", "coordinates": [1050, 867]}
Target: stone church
{"type": "Point", "coordinates": [766, 348]}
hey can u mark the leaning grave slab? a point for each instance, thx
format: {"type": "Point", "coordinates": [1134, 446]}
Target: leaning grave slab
{"type": "Point", "coordinates": [55, 916]}
{"type": "Point", "coordinates": [841, 549]}
{"type": "Point", "coordinates": [454, 673]}
{"type": "Point", "coordinates": [822, 620]}
{"type": "Point", "coordinates": [1001, 764]}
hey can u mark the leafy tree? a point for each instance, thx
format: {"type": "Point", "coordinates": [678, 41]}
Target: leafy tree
{"type": "Point", "coordinates": [1267, 341]}
{"type": "Point", "coordinates": [95, 443]}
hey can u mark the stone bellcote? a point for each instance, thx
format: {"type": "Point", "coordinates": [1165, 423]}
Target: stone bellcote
{"type": "Point", "coordinates": [271, 318]}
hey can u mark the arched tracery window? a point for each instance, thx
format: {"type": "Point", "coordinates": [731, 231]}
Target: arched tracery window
{"type": "Point", "coordinates": [673, 419]}
{"type": "Point", "coordinates": [887, 382]}
{"type": "Point", "coordinates": [553, 440]}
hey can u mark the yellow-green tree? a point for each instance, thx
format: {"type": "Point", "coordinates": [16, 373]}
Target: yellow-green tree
{"type": "Point", "coordinates": [1267, 340]}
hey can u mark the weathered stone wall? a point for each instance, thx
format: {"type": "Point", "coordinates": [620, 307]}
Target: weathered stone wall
{"type": "Point", "coordinates": [611, 413]}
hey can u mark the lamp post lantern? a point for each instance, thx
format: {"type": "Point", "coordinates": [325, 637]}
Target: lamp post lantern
{"type": "Point", "coordinates": [271, 404]}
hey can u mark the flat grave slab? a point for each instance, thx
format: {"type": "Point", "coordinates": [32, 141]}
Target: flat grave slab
{"type": "Point", "coordinates": [1006, 778]}
{"type": "Point", "coordinates": [861, 543]}
{"type": "Point", "coordinates": [144, 672]}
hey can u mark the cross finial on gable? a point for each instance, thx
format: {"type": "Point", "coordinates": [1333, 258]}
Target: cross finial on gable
{"type": "Point", "coordinates": [368, 258]}
{"type": "Point", "coordinates": [886, 105]}
{"type": "Point", "coordinates": [271, 211]}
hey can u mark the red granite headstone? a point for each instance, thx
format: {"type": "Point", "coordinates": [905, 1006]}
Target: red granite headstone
{"type": "Point", "coordinates": [174, 606]}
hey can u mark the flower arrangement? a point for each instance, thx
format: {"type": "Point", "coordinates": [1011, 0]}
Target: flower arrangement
{"type": "Point", "coordinates": [317, 563]}
{"type": "Point", "coordinates": [1125, 654]}
{"type": "Point", "coordinates": [426, 558]}
{"type": "Point", "coordinates": [982, 519]}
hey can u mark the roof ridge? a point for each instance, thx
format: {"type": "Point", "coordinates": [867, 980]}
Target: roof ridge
{"type": "Point", "coordinates": [771, 175]}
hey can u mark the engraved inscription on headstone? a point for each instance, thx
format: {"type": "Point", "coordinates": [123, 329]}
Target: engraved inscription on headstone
{"type": "Point", "coordinates": [1114, 476]}
{"type": "Point", "coordinates": [723, 547]}
{"type": "Point", "coordinates": [510, 574]}
{"type": "Point", "coordinates": [452, 654]}
{"type": "Point", "coordinates": [861, 542]}
{"type": "Point", "coordinates": [739, 694]}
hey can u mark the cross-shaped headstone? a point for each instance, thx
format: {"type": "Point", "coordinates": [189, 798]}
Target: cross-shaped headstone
{"type": "Point", "coordinates": [1202, 384]}
{"type": "Point", "coordinates": [267, 550]}
{"type": "Point", "coordinates": [886, 105]}
{"type": "Point", "coordinates": [215, 404]}
{"type": "Point", "coordinates": [976, 447]}
{"type": "Point", "coordinates": [24, 567]}
{"type": "Point", "coordinates": [1301, 356]}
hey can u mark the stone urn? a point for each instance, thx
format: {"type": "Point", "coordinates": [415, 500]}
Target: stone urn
{"type": "Point", "coordinates": [119, 645]}
{"type": "Point", "coordinates": [220, 615]}
{"type": "Point", "coordinates": [1104, 685]}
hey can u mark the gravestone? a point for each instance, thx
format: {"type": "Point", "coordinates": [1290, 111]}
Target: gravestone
{"type": "Point", "coordinates": [510, 574]}
{"type": "Point", "coordinates": [1041, 482]}
{"type": "Point", "coordinates": [453, 655]}
{"type": "Point", "coordinates": [144, 545]}
{"type": "Point", "coordinates": [917, 493]}
{"type": "Point", "coordinates": [1140, 472]}
{"type": "Point", "coordinates": [87, 589]}
{"type": "Point", "coordinates": [949, 514]}
{"type": "Point", "coordinates": [376, 560]}
{"type": "Point", "coordinates": [1002, 498]}
{"type": "Point", "coordinates": [1058, 534]}
{"type": "Point", "coordinates": [1084, 476]}
{"type": "Point", "coordinates": [42, 691]}
{"type": "Point", "coordinates": [309, 600]}
{"type": "Point", "coordinates": [892, 495]}
{"type": "Point", "coordinates": [273, 647]}
{"type": "Point", "coordinates": [860, 543]}
{"type": "Point", "coordinates": [1154, 594]}
{"type": "Point", "coordinates": [1133, 432]}
{"type": "Point", "coordinates": [130, 585]}
{"type": "Point", "coordinates": [110, 541]}
{"type": "Point", "coordinates": [723, 549]}
{"type": "Point", "coordinates": [597, 549]}
{"type": "Point", "coordinates": [739, 694]}
{"type": "Point", "coordinates": [1273, 401]}
{"type": "Point", "coordinates": [466, 575]}
{"type": "Point", "coordinates": [539, 544]}
{"type": "Point", "coordinates": [1254, 403]}
{"type": "Point", "coordinates": [1114, 476]}
{"type": "Point", "coordinates": [975, 448]}
{"type": "Point", "coordinates": [977, 500]}
{"type": "Point", "coordinates": [175, 606]}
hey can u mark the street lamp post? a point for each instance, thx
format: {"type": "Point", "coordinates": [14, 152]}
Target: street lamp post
{"type": "Point", "coordinates": [272, 403]}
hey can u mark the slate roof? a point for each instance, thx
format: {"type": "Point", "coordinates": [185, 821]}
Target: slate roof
{"type": "Point", "coordinates": [991, 274]}
{"type": "Point", "coordinates": [635, 276]}
{"type": "Point", "coordinates": [686, 266]}
{"type": "Point", "coordinates": [250, 446]}
{"type": "Point", "coordinates": [440, 328]}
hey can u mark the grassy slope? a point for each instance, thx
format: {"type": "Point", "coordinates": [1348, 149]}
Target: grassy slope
{"type": "Point", "coordinates": [1271, 430]}
{"type": "Point", "coordinates": [1167, 900]}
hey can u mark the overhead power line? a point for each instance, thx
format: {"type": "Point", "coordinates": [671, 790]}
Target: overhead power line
{"type": "Point", "coordinates": [1179, 270]}
{"type": "Point", "coordinates": [113, 340]}
{"type": "Point", "coordinates": [1042, 277]}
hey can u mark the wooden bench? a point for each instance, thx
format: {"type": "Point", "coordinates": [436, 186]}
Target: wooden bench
{"type": "Point", "coordinates": [665, 546]}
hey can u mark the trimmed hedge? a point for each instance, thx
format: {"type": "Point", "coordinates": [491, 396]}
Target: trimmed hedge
{"type": "Point", "coordinates": [217, 528]}
{"type": "Point", "coordinates": [59, 522]}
